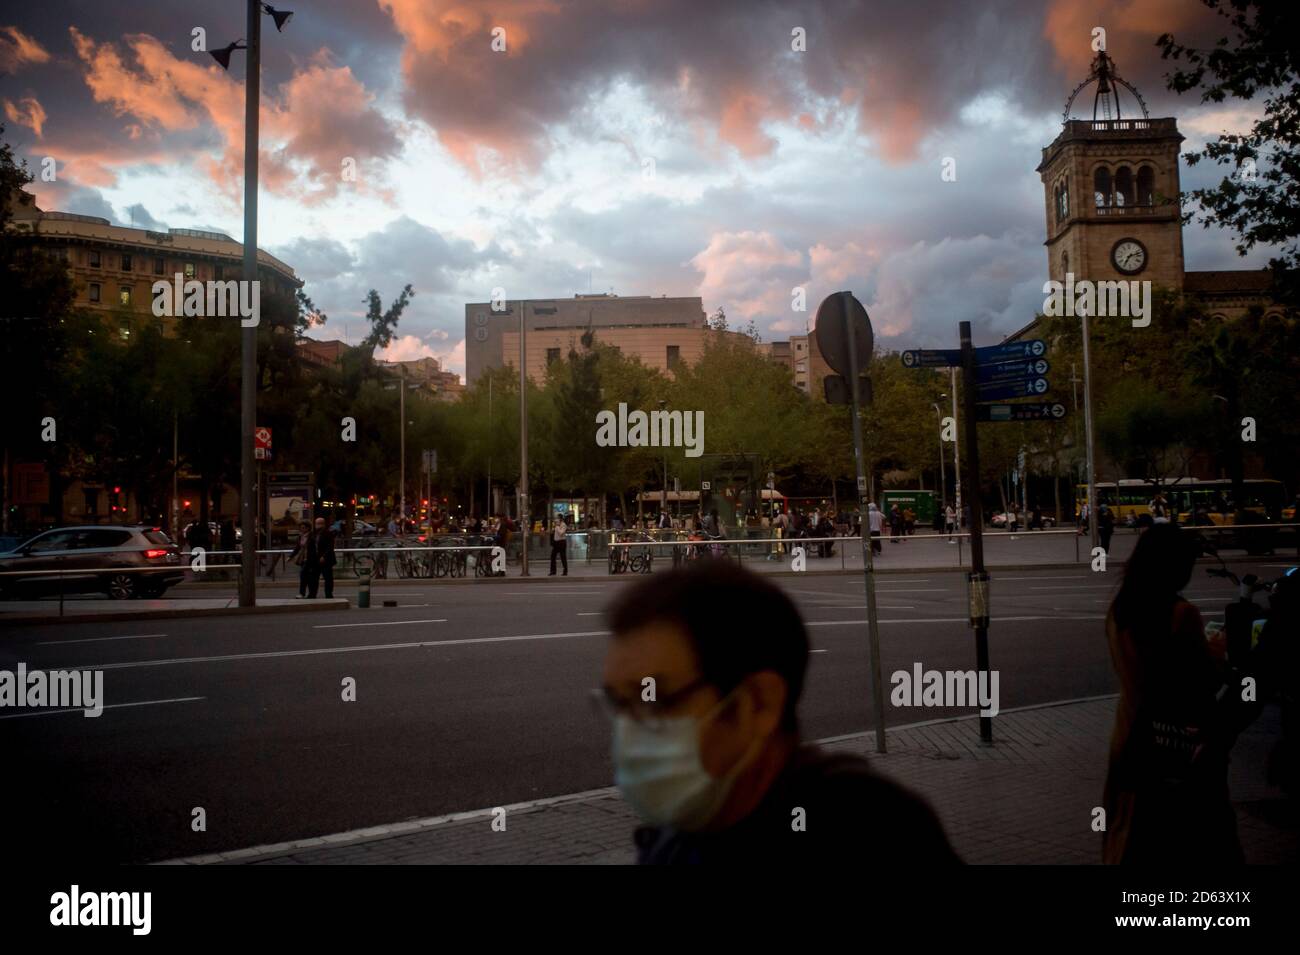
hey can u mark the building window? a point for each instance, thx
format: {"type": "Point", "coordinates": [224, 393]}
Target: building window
{"type": "Point", "coordinates": [93, 291]}
{"type": "Point", "coordinates": [94, 259]}
{"type": "Point", "coordinates": [126, 263]}
{"type": "Point", "coordinates": [552, 355]}
{"type": "Point", "coordinates": [1146, 195]}
{"type": "Point", "coordinates": [1062, 202]}
{"type": "Point", "coordinates": [158, 266]}
{"type": "Point", "coordinates": [124, 295]}
{"type": "Point", "coordinates": [674, 355]}
{"type": "Point", "coordinates": [798, 346]}
{"type": "Point", "coordinates": [92, 500]}
{"type": "Point", "coordinates": [220, 273]}
{"type": "Point", "coordinates": [1124, 192]}
{"type": "Point", "coordinates": [1101, 187]}
{"type": "Point", "coordinates": [189, 270]}
{"type": "Point", "coordinates": [124, 329]}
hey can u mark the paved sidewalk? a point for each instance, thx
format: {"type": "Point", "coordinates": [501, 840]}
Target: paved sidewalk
{"type": "Point", "coordinates": [1028, 799]}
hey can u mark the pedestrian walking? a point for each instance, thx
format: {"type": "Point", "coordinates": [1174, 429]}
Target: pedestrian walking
{"type": "Point", "coordinates": [1105, 526]}
{"type": "Point", "coordinates": [716, 765]}
{"type": "Point", "coordinates": [299, 557]}
{"type": "Point", "coordinates": [559, 544]}
{"type": "Point", "coordinates": [895, 524]}
{"type": "Point", "coordinates": [320, 560]}
{"type": "Point", "coordinates": [875, 525]}
{"type": "Point", "coordinates": [1166, 793]}
{"type": "Point", "coordinates": [950, 519]}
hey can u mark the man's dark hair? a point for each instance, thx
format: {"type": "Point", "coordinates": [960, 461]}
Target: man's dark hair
{"type": "Point", "coordinates": [737, 622]}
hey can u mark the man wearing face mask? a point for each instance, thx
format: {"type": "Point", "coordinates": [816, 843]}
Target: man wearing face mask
{"type": "Point", "coordinates": [702, 680]}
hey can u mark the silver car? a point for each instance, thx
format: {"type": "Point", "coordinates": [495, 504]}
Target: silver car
{"type": "Point", "coordinates": [121, 561]}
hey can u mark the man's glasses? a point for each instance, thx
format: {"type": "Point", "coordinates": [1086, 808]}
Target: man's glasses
{"type": "Point", "coordinates": [652, 714]}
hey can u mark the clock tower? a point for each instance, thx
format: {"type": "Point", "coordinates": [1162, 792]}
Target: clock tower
{"type": "Point", "coordinates": [1110, 185]}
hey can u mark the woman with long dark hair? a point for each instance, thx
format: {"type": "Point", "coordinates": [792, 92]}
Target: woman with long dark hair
{"type": "Point", "coordinates": [1166, 787]}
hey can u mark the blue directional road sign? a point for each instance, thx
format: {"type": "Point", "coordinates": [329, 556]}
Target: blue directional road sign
{"type": "Point", "coordinates": [1010, 370]}
{"type": "Point", "coordinates": [1035, 348]}
{"type": "Point", "coordinates": [932, 358]}
{"type": "Point", "coordinates": [1024, 388]}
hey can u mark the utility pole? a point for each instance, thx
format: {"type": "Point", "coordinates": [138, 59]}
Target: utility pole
{"type": "Point", "coordinates": [248, 335]}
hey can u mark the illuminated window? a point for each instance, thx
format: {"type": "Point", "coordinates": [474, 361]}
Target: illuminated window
{"type": "Point", "coordinates": [124, 295]}
{"type": "Point", "coordinates": [189, 270]}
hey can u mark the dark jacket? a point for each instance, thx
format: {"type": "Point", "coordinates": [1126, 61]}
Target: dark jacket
{"type": "Point", "coordinates": [849, 814]}
{"type": "Point", "coordinates": [320, 549]}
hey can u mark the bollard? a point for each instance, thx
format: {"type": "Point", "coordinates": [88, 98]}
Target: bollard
{"type": "Point", "coordinates": [363, 590]}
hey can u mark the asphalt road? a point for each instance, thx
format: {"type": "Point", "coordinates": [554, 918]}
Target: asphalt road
{"type": "Point", "coordinates": [467, 697]}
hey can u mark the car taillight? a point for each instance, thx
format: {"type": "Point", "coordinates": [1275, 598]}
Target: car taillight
{"type": "Point", "coordinates": [155, 554]}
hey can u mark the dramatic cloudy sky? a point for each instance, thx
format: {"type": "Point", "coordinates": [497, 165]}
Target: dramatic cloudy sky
{"type": "Point", "coordinates": [663, 147]}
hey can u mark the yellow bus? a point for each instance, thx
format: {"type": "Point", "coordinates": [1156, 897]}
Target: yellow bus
{"type": "Point", "coordinates": [1131, 498]}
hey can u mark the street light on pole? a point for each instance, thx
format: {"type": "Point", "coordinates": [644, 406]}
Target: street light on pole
{"type": "Point", "coordinates": [943, 481]}
{"type": "Point", "coordinates": [663, 497]}
{"type": "Point", "coordinates": [956, 454]}
{"type": "Point", "coordinates": [248, 334]}
{"type": "Point", "coordinates": [401, 386]}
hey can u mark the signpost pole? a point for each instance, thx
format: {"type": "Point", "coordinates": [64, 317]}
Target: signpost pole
{"type": "Point", "coordinates": [868, 565]}
{"type": "Point", "coordinates": [978, 579]}
{"type": "Point", "coordinates": [1087, 429]}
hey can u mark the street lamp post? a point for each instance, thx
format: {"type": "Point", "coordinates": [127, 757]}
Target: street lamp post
{"type": "Point", "coordinates": [248, 335]}
{"type": "Point", "coordinates": [663, 497]}
{"type": "Point", "coordinates": [943, 481]}
{"type": "Point", "coordinates": [956, 455]}
{"type": "Point", "coordinates": [524, 520]}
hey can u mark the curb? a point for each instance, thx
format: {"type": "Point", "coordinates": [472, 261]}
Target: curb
{"type": "Point", "coordinates": [318, 606]}
{"type": "Point", "coordinates": [381, 832]}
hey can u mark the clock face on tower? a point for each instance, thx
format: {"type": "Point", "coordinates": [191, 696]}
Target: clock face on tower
{"type": "Point", "coordinates": [1129, 256]}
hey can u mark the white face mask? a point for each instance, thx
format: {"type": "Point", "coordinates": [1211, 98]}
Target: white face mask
{"type": "Point", "coordinates": [660, 773]}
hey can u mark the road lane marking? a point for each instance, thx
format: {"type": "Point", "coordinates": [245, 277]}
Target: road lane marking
{"type": "Point", "coordinates": [591, 613]}
{"type": "Point", "coordinates": [819, 651]}
{"type": "Point", "coordinates": [111, 706]}
{"type": "Point", "coordinates": [1068, 577]}
{"type": "Point", "coordinates": [134, 636]}
{"type": "Point", "coordinates": [272, 654]}
{"type": "Point", "coordinates": [374, 623]}
{"type": "Point", "coordinates": [553, 593]}
{"type": "Point", "coordinates": [1063, 587]}
{"type": "Point", "coordinates": [864, 607]}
